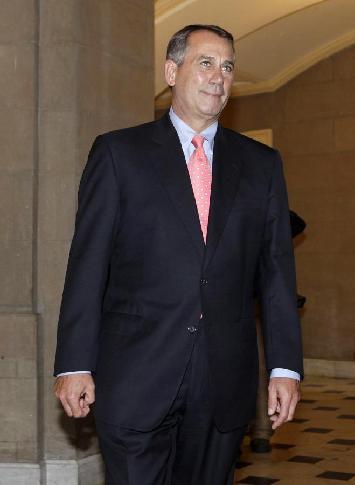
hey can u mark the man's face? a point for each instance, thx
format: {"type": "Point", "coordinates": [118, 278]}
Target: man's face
{"type": "Point", "coordinates": [202, 83]}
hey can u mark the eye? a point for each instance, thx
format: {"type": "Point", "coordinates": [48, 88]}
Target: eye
{"type": "Point", "coordinates": [228, 68]}
{"type": "Point", "coordinates": [206, 63]}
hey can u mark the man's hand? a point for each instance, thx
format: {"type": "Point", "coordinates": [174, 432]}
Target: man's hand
{"type": "Point", "coordinates": [76, 392]}
{"type": "Point", "coordinates": [284, 394]}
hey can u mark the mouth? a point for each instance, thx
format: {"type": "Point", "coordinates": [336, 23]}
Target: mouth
{"type": "Point", "coordinates": [216, 95]}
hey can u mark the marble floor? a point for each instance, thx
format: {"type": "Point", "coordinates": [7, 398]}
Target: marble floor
{"type": "Point", "coordinates": [318, 447]}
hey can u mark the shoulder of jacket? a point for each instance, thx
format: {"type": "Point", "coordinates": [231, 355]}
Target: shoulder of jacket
{"type": "Point", "coordinates": [128, 135]}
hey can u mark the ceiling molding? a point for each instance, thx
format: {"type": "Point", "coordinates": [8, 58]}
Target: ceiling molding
{"type": "Point", "coordinates": [277, 19]}
{"type": "Point", "coordinates": [165, 8]}
{"type": "Point", "coordinates": [301, 65]}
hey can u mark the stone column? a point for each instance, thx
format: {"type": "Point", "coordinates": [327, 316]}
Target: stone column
{"type": "Point", "coordinates": [18, 323]}
{"type": "Point", "coordinates": [76, 68]}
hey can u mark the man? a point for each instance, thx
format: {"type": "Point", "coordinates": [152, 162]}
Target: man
{"type": "Point", "coordinates": [158, 306]}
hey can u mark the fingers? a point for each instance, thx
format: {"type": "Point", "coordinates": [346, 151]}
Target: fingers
{"type": "Point", "coordinates": [287, 396]}
{"type": "Point", "coordinates": [66, 407]}
{"type": "Point", "coordinates": [273, 404]}
{"type": "Point", "coordinates": [281, 417]}
{"type": "Point", "coordinates": [76, 393]}
{"type": "Point", "coordinates": [292, 409]}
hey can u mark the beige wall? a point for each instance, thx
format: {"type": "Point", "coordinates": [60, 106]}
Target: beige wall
{"type": "Point", "coordinates": [313, 122]}
{"type": "Point", "coordinates": [71, 69]}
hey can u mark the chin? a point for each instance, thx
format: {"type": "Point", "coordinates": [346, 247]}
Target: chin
{"type": "Point", "coordinates": [211, 112]}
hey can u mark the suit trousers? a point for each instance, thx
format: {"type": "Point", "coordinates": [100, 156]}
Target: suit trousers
{"type": "Point", "coordinates": [185, 449]}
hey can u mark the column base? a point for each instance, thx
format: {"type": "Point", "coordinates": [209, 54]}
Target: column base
{"type": "Point", "coordinates": [87, 471]}
{"type": "Point", "coordinates": [329, 368]}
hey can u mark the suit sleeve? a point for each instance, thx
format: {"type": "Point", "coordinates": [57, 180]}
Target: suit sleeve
{"type": "Point", "coordinates": [88, 265]}
{"type": "Point", "coordinates": [276, 282]}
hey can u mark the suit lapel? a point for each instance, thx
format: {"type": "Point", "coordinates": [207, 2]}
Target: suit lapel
{"type": "Point", "coordinates": [170, 165]}
{"type": "Point", "coordinates": [225, 181]}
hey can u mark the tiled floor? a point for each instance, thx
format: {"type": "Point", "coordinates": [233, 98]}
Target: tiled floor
{"type": "Point", "coordinates": [317, 448]}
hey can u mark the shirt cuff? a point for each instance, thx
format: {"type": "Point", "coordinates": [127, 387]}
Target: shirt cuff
{"type": "Point", "coordinates": [75, 372]}
{"type": "Point", "coordinates": [279, 372]}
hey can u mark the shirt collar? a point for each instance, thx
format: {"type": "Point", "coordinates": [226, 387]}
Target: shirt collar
{"type": "Point", "coordinates": [186, 133]}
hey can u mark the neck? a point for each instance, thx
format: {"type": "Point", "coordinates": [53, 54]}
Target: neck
{"type": "Point", "coordinates": [197, 125]}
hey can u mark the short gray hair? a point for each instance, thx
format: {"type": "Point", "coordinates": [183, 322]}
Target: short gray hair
{"type": "Point", "coordinates": [176, 49]}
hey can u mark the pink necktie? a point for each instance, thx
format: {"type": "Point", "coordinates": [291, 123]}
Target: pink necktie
{"type": "Point", "coordinates": [201, 179]}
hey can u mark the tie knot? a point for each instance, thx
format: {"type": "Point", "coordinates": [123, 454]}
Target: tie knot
{"type": "Point", "coordinates": [197, 141]}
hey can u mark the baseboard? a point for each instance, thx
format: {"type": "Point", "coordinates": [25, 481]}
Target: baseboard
{"type": "Point", "coordinates": [329, 368]}
{"type": "Point", "coordinates": [87, 471]}
{"type": "Point", "coordinates": [60, 472]}
{"type": "Point", "coordinates": [91, 470]}
{"type": "Point", "coordinates": [20, 474]}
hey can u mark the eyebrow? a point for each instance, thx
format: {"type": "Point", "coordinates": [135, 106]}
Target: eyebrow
{"type": "Point", "coordinates": [211, 58]}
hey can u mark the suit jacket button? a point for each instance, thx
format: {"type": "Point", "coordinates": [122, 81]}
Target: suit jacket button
{"type": "Point", "coordinates": [192, 329]}
{"type": "Point", "coordinates": [204, 281]}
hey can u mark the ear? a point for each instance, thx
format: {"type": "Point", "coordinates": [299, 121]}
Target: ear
{"type": "Point", "coordinates": [170, 72]}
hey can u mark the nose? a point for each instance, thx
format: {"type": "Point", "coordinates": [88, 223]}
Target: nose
{"type": "Point", "coordinates": [217, 76]}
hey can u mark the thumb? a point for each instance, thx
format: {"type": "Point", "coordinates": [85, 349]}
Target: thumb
{"type": "Point", "coordinates": [89, 396]}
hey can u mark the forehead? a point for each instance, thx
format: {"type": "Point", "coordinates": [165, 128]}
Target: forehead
{"type": "Point", "coordinates": [208, 43]}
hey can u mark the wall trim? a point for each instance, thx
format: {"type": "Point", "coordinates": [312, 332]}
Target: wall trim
{"type": "Point", "coordinates": [329, 368]}
{"type": "Point", "coordinates": [87, 471]}
{"type": "Point", "coordinates": [293, 70]}
{"type": "Point", "coordinates": [263, 136]}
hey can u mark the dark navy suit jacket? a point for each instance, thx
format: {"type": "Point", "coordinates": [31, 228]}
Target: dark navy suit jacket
{"type": "Point", "coordinates": [139, 275]}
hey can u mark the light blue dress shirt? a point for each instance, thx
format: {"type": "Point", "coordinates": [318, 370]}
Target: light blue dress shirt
{"type": "Point", "coordinates": [185, 134]}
